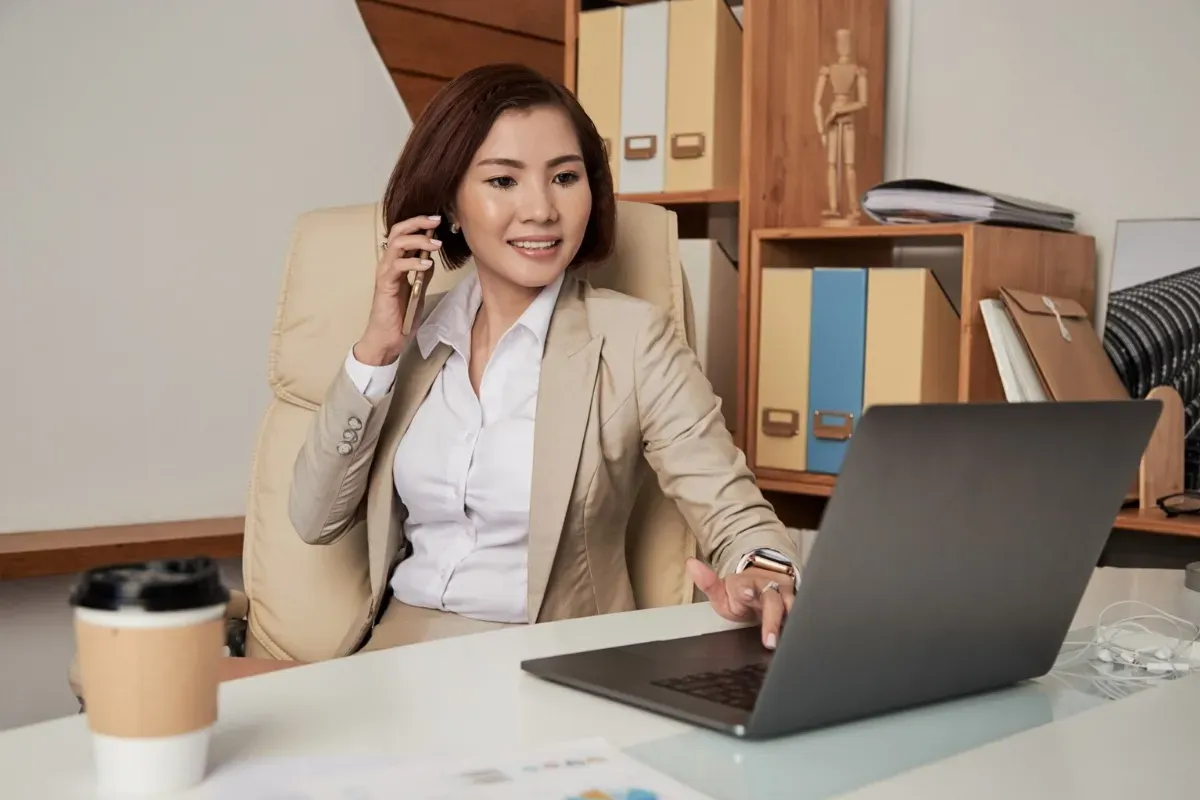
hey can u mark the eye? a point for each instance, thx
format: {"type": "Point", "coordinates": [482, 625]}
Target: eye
{"type": "Point", "coordinates": [566, 178]}
{"type": "Point", "coordinates": [502, 182]}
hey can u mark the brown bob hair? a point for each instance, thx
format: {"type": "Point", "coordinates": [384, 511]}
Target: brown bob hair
{"type": "Point", "coordinates": [451, 129]}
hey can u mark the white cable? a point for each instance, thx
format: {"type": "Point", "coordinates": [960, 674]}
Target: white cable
{"type": "Point", "coordinates": [1118, 670]}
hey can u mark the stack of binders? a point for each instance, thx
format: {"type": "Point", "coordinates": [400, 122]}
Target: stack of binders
{"type": "Point", "coordinates": [662, 82]}
{"type": "Point", "coordinates": [835, 341]}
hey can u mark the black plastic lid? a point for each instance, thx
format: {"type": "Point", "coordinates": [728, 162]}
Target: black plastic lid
{"type": "Point", "coordinates": [166, 585]}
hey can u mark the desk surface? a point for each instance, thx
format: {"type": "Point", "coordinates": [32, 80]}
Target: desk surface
{"type": "Point", "coordinates": [443, 697]}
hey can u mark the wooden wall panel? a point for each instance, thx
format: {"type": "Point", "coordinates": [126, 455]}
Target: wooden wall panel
{"type": "Point", "coordinates": [425, 43]}
{"type": "Point", "coordinates": [541, 18]}
{"type": "Point", "coordinates": [416, 90]}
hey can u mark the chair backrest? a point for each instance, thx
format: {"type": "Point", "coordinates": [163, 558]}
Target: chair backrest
{"type": "Point", "coordinates": [303, 598]}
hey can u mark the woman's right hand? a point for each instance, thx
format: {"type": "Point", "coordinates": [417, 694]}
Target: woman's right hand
{"type": "Point", "coordinates": [409, 250]}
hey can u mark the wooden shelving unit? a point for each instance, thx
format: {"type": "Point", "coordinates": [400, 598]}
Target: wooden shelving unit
{"type": "Point", "coordinates": [782, 161]}
{"type": "Point", "coordinates": [971, 261]}
{"type": "Point", "coordinates": [778, 205]}
{"type": "Point", "coordinates": [1152, 520]}
{"type": "Point", "coordinates": [977, 259]}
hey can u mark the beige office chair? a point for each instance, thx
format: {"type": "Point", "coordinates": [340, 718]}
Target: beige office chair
{"type": "Point", "coordinates": [302, 599]}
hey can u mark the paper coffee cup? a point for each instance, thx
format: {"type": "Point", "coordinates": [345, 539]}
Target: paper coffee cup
{"type": "Point", "coordinates": [149, 638]}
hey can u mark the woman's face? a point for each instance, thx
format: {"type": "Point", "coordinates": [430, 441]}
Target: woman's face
{"type": "Point", "coordinates": [524, 202]}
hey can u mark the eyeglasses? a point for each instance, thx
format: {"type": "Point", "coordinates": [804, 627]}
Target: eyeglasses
{"type": "Point", "coordinates": [1174, 505]}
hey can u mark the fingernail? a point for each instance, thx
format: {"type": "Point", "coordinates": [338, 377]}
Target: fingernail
{"type": "Point", "coordinates": [436, 217]}
{"type": "Point", "coordinates": [436, 242]}
{"type": "Point", "coordinates": [427, 262]}
{"type": "Point", "coordinates": [771, 641]}
{"type": "Point", "coordinates": [748, 594]}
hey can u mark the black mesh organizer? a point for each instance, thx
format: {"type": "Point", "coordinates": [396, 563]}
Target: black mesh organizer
{"type": "Point", "coordinates": [1152, 337]}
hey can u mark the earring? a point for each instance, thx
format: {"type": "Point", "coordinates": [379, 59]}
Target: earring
{"type": "Point", "coordinates": [454, 227]}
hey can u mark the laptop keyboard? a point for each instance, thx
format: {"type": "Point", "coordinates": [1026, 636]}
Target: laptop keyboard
{"type": "Point", "coordinates": [736, 687]}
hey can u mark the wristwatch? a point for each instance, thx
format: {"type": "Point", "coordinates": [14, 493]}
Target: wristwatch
{"type": "Point", "coordinates": [768, 559]}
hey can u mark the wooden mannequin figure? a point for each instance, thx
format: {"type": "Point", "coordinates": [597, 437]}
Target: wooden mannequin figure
{"type": "Point", "coordinates": [849, 82]}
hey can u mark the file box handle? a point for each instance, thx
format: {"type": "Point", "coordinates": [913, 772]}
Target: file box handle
{"type": "Point", "coordinates": [781, 422]}
{"type": "Point", "coordinates": [638, 148]}
{"type": "Point", "coordinates": [837, 425]}
{"type": "Point", "coordinates": [687, 145]}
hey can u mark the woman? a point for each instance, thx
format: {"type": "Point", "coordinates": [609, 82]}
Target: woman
{"type": "Point", "coordinates": [443, 442]}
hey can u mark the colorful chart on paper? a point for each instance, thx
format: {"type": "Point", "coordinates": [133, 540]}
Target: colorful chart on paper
{"type": "Point", "coordinates": [587, 770]}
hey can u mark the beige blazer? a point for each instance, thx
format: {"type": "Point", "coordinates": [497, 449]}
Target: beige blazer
{"type": "Point", "coordinates": [617, 383]}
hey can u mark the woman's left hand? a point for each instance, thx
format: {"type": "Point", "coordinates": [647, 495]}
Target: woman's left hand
{"type": "Point", "coordinates": [752, 595]}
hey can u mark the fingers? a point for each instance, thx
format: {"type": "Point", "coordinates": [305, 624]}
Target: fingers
{"type": "Point", "coordinates": [743, 596]}
{"type": "Point", "coordinates": [413, 225]}
{"type": "Point", "coordinates": [703, 576]}
{"type": "Point", "coordinates": [772, 603]}
{"type": "Point", "coordinates": [411, 243]}
{"type": "Point", "coordinates": [400, 271]}
{"type": "Point", "coordinates": [713, 587]}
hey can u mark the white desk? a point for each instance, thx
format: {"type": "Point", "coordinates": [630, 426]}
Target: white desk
{"type": "Point", "coordinates": [1040, 739]}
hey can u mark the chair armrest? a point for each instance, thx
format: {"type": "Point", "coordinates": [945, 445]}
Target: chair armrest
{"type": "Point", "coordinates": [239, 605]}
{"type": "Point", "coordinates": [236, 624]}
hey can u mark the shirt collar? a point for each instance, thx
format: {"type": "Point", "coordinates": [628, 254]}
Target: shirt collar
{"type": "Point", "coordinates": [451, 320]}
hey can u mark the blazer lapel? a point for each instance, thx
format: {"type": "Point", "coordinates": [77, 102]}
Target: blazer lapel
{"type": "Point", "coordinates": [569, 368]}
{"type": "Point", "coordinates": [414, 377]}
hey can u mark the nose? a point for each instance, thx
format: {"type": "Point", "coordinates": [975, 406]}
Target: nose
{"type": "Point", "coordinates": [537, 204]}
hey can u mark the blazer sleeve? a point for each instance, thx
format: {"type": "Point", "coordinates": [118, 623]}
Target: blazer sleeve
{"type": "Point", "coordinates": [693, 454]}
{"type": "Point", "coordinates": [330, 474]}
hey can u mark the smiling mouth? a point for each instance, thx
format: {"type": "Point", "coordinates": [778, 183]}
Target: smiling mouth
{"type": "Point", "coordinates": [535, 246]}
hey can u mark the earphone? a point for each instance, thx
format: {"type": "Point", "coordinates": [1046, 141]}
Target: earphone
{"type": "Point", "coordinates": [1115, 668]}
{"type": "Point", "coordinates": [1162, 664]}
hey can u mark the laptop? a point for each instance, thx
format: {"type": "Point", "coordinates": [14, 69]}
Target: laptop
{"type": "Point", "coordinates": [951, 560]}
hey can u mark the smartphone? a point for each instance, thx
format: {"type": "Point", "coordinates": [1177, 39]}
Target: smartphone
{"type": "Point", "coordinates": [416, 295]}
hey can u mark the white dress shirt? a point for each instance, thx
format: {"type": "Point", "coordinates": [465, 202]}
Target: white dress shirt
{"type": "Point", "coordinates": [464, 467]}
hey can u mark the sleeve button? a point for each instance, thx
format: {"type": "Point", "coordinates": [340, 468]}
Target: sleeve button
{"type": "Point", "coordinates": [355, 423]}
{"type": "Point", "coordinates": [344, 448]}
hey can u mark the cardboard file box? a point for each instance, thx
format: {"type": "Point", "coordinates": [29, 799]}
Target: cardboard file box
{"type": "Point", "coordinates": [835, 381]}
{"type": "Point", "coordinates": [598, 76]}
{"type": "Point", "coordinates": [704, 96]}
{"type": "Point", "coordinates": [643, 98]}
{"type": "Point", "coordinates": [912, 339]}
{"type": "Point", "coordinates": [713, 284]}
{"type": "Point", "coordinates": [783, 368]}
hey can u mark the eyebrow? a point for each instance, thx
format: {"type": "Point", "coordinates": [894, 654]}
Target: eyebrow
{"type": "Point", "coordinates": [515, 164]}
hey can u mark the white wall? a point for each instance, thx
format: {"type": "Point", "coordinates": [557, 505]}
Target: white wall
{"type": "Point", "coordinates": [1090, 104]}
{"type": "Point", "coordinates": [153, 155]}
